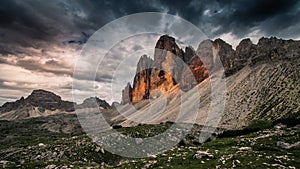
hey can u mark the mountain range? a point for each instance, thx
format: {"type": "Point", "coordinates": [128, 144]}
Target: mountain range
{"type": "Point", "coordinates": [148, 79]}
{"type": "Point", "coordinates": [262, 82]}
{"type": "Point", "coordinates": [43, 103]}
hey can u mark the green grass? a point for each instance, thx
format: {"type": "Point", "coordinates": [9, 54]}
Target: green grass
{"type": "Point", "coordinates": [253, 127]}
{"type": "Point", "coordinates": [79, 150]}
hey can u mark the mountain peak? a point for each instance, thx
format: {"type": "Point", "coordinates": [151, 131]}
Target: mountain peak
{"type": "Point", "coordinates": [159, 74]}
{"type": "Point", "coordinates": [145, 62]}
{"type": "Point", "coordinates": [35, 91]}
{"type": "Point", "coordinates": [166, 43]}
{"type": "Point", "coordinates": [42, 99]}
{"type": "Point", "coordinates": [41, 95]}
{"type": "Point", "coordinates": [94, 102]}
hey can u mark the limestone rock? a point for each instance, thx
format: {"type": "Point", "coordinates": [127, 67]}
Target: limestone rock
{"type": "Point", "coordinates": [155, 77]}
{"type": "Point", "coordinates": [172, 66]}
{"type": "Point", "coordinates": [127, 94]}
{"type": "Point", "coordinates": [202, 154]}
{"type": "Point", "coordinates": [42, 99]}
{"type": "Point", "coordinates": [141, 82]}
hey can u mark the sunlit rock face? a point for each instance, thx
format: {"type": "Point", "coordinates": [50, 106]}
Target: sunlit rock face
{"type": "Point", "coordinates": [195, 72]}
{"type": "Point", "coordinates": [170, 64]}
{"type": "Point", "coordinates": [141, 82]}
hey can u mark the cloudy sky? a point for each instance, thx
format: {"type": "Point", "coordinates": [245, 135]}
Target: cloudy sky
{"type": "Point", "coordinates": [41, 41]}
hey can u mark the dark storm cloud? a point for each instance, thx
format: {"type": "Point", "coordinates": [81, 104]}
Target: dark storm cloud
{"type": "Point", "coordinates": [22, 26]}
{"type": "Point", "coordinates": [11, 86]}
{"type": "Point", "coordinates": [137, 47]}
{"type": "Point", "coordinates": [29, 23]}
{"type": "Point", "coordinates": [238, 16]}
{"type": "Point", "coordinates": [50, 66]}
{"type": "Point", "coordinates": [90, 76]}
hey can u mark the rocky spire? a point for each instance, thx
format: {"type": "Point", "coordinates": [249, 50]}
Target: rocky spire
{"type": "Point", "coordinates": [164, 72]}
{"type": "Point", "coordinates": [127, 94]}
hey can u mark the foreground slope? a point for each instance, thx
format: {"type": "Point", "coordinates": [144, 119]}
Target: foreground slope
{"type": "Point", "coordinates": [267, 91]}
{"type": "Point", "coordinates": [36, 143]}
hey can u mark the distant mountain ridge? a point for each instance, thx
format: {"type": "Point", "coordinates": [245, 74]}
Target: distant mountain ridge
{"type": "Point", "coordinates": [44, 100]}
{"type": "Point", "coordinates": [43, 103]}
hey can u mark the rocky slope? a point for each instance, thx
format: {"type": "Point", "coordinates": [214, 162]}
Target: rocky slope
{"type": "Point", "coordinates": [262, 82]}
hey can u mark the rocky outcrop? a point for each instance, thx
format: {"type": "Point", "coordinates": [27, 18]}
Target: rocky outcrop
{"type": "Point", "coordinates": [114, 105]}
{"type": "Point", "coordinates": [141, 82]}
{"type": "Point", "coordinates": [48, 100]}
{"type": "Point", "coordinates": [167, 69]}
{"type": "Point", "coordinates": [93, 102]}
{"type": "Point", "coordinates": [266, 50]}
{"type": "Point", "coordinates": [275, 49]}
{"type": "Point", "coordinates": [127, 94]}
{"type": "Point", "coordinates": [154, 77]}
{"type": "Point", "coordinates": [164, 45]}
{"type": "Point", "coordinates": [195, 73]}
{"type": "Point", "coordinates": [8, 106]}
{"type": "Point", "coordinates": [247, 53]}
{"type": "Point", "coordinates": [225, 52]}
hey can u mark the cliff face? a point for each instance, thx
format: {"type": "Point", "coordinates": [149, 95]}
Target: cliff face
{"type": "Point", "coordinates": [127, 94]}
{"type": "Point", "coordinates": [166, 71]}
{"type": "Point", "coordinates": [157, 76]}
{"type": "Point", "coordinates": [172, 66]}
{"type": "Point", "coordinates": [141, 85]}
{"type": "Point", "coordinates": [38, 103]}
{"type": "Point", "coordinates": [247, 53]}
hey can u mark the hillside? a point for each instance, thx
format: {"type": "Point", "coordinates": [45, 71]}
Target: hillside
{"type": "Point", "coordinates": [58, 142]}
{"type": "Point", "coordinates": [262, 83]}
